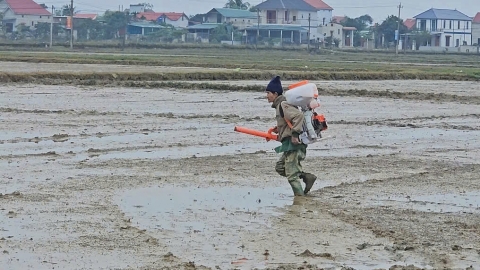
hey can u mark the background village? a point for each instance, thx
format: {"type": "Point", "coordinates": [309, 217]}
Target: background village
{"type": "Point", "coordinates": [270, 23]}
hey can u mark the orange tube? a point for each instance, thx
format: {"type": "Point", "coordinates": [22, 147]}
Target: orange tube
{"type": "Point", "coordinates": [267, 135]}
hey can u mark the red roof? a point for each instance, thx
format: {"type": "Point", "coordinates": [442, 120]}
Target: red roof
{"type": "Point", "coordinates": [318, 4]}
{"type": "Point", "coordinates": [338, 19]}
{"type": "Point", "coordinates": [477, 18]}
{"type": "Point", "coordinates": [153, 16]}
{"type": "Point", "coordinates": [85, 16]}
{"type": "Point", "coordinates": [26, 7]}
{"type": "Point", "coordinates": [410, 23]}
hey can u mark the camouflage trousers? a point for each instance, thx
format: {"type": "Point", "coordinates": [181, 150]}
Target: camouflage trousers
{"type": "Point", "coordinates": [289, 164]}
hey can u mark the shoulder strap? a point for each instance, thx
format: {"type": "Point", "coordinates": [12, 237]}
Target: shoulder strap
{"type": "Point", "coordinates": [283, 115]}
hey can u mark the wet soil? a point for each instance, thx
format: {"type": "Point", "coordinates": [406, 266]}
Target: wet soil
{"type": "Point", "coordinates": [134, 178]}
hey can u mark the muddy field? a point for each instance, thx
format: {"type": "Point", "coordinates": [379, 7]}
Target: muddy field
{"type": "Point", "coordinates": [132, 178]}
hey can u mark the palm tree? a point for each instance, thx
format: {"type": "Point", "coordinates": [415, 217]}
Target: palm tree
{"type": "Point", "coordinates": [237, 4]}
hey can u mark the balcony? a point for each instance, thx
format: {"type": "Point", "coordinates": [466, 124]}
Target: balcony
{"type": "Point", "coordinates": [271, 21]}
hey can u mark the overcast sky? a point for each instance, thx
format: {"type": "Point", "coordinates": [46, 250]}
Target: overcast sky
{"type": "Point", "coordinates": [378, 9]}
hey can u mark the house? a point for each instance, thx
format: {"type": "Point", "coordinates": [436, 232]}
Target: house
{"type": "Point", "coordinates": [338, 19]}
{"type": "Point", "coordinates": [286, 12]}
{"type": "Point", "coordinates": [178, 20]}
{"type": "Point", "coordinates": [135, 9]}
{"type": "Point", "coordinates": [448, 28]}
{"type": "Point", "coordinates": [26, 12]}
{"type": "Point", "coordinates": [343, 35]}
{"type": "Point", "coordinates": [476, 29]}
{"type": "Point", "coordinates": [324, 11]}
{"type": "Point", "coordinates": [237, 17]}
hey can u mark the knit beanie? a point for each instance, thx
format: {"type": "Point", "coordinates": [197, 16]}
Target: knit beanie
{"type": "Point", "coordinates": [275, 86]}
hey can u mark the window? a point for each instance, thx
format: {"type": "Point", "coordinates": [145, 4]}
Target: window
{"type": "Point", "coordinates": [323, 23]}
{"type": "Point", "coordinates": [48, 17]}
{"type": "Point", "coordinates": [339, 31]}
{"type": "Point", "coordinates": [23, 16]}
{"type": "Point", "coordinates": [467, 25]}
{"type": "Point", "coordinates": [451, 25]}
{"type": "Point", "coordinates": [40, 17]}
{"type": "Point", "coordinates": [458, 25]}
{"type": "Point", "coordinates": [32, 23]}
{"type": "Point", "coordinates": [444, 24]}
{"type": "Point", "coordinates": [294, 18]}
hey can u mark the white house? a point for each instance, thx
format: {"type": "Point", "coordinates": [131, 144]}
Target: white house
{"type": "Point", "coordinates": [237, 17]}
{"type": "Point", "coordinates": [476, 29]}
{"type": "Point", "coordinates": [449, 28]}
{"type": "Point", "coordinates": [324, 11]}
{"type": "Point", "coordinates": [336, 31]}
{"type": "Point", "coordinates": [290, 12]}
{"type": "Point", "coordinates": [25, 12]}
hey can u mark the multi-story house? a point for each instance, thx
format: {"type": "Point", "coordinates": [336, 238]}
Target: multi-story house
{"type": "Point", "coordinates": [324, 11]}
{"type": "Point", "coordinates": [448, 28]}
{"type": "Point", "coordinates": [290, 12]}
{"type": "Point", "coordinates": [476, 30]}
{"type": "Point", "coordinates": [26, 12]}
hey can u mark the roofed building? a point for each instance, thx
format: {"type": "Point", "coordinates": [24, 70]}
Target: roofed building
{"type": "Point", "coordinates": [324, 11]}
{"type": "Point", "coordinates": [449, 28]}
{"type": "Point", "coordinates": [26, 12]}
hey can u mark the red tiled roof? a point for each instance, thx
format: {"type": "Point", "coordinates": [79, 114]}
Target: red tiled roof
{"type": "Point", "coordinates": [153, 16]}
{"type": "Point", "coordinates": [318, 4]}
{"type": "Point", "coordinates": [86, 16]}
{"type": "Point", "coordinates": [337, 19]}
{"type": "Point", "coordinates": [410, 23]}
{"type": "Point", "coordinates": [26, 7]}
{"type": "Point", "coordinates": [477, 18]}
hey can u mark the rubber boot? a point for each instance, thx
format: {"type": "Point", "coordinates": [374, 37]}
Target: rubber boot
{"type": "Point", "coordinates": [309, 180]}
{"type": "Point", "coordinates": [297, 188]}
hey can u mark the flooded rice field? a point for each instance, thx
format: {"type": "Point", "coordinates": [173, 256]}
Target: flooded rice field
{"type": "Point", "coordinates": [123, 178]}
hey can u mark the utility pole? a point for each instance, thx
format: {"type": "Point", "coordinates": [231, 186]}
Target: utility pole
{"type": "Point", "coordinates": [308, 35]}
{"type": "Point", "coordinates": [51, 28]}
{"type": "Point", "coordinates": [397, 35]}
{"type": "Point", "coordinates": [71, 24]}
{"type": "Point", "coordinates": [258, 29]}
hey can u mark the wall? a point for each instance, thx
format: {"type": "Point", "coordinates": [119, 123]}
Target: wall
{"type": "Point", "coordinates": [447, 26]}
{"type": "Point", "coordinates": [325, 32]}
{"type": "Point", "coordinates": [180, 23]}
{"type": "Point", "coordinates": [475, 33]}
{"type": "Point", "coordinates": [324, 14]}
{"type": "Point", "coordinates": [241, 23]}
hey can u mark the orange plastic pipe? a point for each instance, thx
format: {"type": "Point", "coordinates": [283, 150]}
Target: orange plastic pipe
{"type": "Point", "coordinates": [267, 135]}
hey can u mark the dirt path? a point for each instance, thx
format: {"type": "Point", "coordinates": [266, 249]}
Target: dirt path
{"type": "Point", "coordinates": [150, 178]}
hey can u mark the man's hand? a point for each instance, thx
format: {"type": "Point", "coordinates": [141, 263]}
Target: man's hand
{"type": "Point", "coordinates": [295, 140]}
{"type": "Point", "coordinates": [275, 130]}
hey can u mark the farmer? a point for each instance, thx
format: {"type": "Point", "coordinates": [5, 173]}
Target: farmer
{"type": "Point", "coordinates": [289, 127]}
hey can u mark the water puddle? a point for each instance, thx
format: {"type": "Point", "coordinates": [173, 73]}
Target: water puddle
{"type": "Point", "coordinates": [468, 202]}
{"type": "Point", "coordinates": [205, 225]}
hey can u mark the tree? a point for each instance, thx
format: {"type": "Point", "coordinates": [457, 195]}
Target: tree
{"type": "Point", "coordinates": [219, 33]}
{"type": "Point", "coordinates": [90, 30]}
{"type": "Point", "coordinates": [360, 23]}
{"type": "Point", "coordinates": [388, 27]}
{"type": "Point", "coordinates": [237, 4]}
{"type": "Point", "coordinates": [114, 21]}
{"type": "Point", "coordinates": [421, 38]}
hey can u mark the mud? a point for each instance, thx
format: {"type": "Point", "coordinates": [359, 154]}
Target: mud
{"type": "Point", "coordinates": [138, 178]}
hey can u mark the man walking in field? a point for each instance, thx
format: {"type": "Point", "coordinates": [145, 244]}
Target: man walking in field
{"type": "Point", "coordinates": [289, 126]}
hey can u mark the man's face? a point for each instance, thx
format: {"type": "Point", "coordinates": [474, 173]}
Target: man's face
{"type": "Point", "coordinates": [271, 96]}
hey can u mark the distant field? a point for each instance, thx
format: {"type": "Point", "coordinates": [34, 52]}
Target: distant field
{"type": "Point", "coordinates": [328, 65]}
